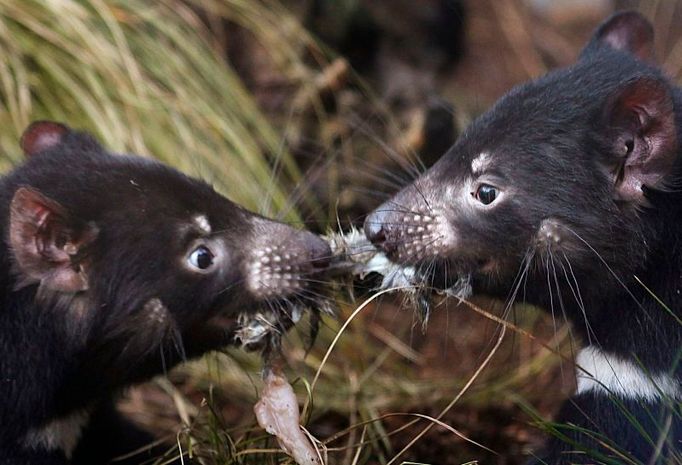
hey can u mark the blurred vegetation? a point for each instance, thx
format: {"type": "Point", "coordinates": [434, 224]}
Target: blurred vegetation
{"type": "Point", "coordinates": [150, 78]}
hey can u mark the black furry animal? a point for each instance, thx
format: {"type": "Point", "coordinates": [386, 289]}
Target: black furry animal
{"type": "Point", "coordinates": [568, 194]}
{"type": "Point", "coordinates": [114, 268]}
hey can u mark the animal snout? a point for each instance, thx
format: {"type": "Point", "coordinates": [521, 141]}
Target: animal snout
{"type": "Point", "coordinates": [319, 251]}
{"type": "Point", "coordinates": [379, 230]}
{"type": "Point", "coordinates": [409, 236]}
{"type": "Point", "coordinates": [283, 258]}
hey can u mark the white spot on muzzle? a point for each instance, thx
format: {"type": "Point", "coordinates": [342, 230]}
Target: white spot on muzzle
{"type": "Point", "coordinates": [612, 375]}
{"type": "Point", "coordinates": [202, 223]}
{"type": "Point", "coordinates": [157, 312]}
{"type": "Point", "coordinates": [273, 270]}
{"type": "Point", "coordinates": [550, 232]}
{"type": "Point", "coordinates": [425, 234]}
{"type": "Point", "coordinates": [271, 277]}
{"type": "Point", "coordinates": [62, 433]}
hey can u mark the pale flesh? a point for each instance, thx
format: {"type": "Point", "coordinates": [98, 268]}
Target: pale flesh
{"type": "Point", "coordinates": [277, 413]}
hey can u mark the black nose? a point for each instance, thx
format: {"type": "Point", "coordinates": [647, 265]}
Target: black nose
{"type": "Point", "coordinates": [378, 230]}
{"type": "Point", "coordinates": [375, 229]}
{"type": "Point", "coordinates": [320, 252]}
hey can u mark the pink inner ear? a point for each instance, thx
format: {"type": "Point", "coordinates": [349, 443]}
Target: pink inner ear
{"type": "Point", "coordinates": [642, 112]}
{"type": "Point", "coordinates": [629, 31]}
{"type": "Point", "coordinates": [41, 136]}
{"type": "Point", "coordinates": [35, 221]}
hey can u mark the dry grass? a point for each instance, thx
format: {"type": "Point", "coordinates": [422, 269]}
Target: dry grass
{"type": "Point", "coordinates": [150, 77]}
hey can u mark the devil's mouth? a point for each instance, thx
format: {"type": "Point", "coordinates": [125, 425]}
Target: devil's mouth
{"type": "Point", "coordinates": [355, 254]}
{"type": "Point", "coordinates": [422, 284]}
{"type": "Point", "coordinates": [262, 325]}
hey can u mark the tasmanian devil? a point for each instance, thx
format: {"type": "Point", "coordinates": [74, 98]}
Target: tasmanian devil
{"type": "Point", "coordinates": [113, 269]}
{"type": "Point", "coordinates": [567, 194]}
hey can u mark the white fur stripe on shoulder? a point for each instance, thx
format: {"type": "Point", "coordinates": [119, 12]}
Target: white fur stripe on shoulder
{"type": "Point", "coordinates": [610, 374]}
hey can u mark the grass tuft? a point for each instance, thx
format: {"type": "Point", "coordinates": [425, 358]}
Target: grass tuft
{"type": "Point", "coordinates": [150, 78]}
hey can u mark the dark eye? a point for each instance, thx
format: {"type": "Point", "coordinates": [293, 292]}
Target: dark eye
{"type": "Point", "coordinates": [201, 258]}
{"type": "Point", "coordinates": [486, 194]}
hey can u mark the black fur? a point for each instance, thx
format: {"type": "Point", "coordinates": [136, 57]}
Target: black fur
{"type": "Point", "coordinates": [131, 307]}
{"type": "Point", "coordinates": [568, 154]}
{"type": "Point", "coordinates": [608, 435]}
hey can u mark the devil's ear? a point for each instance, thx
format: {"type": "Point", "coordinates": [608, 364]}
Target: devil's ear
{"type": "Point", "coordinates": [47, 243]}
{"type": "Point", "coordinates": [640, 124]}
{"type": "Point", "coordinates": [628, 31]}
{"type": "Point", "coordinates": [42, 135]}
